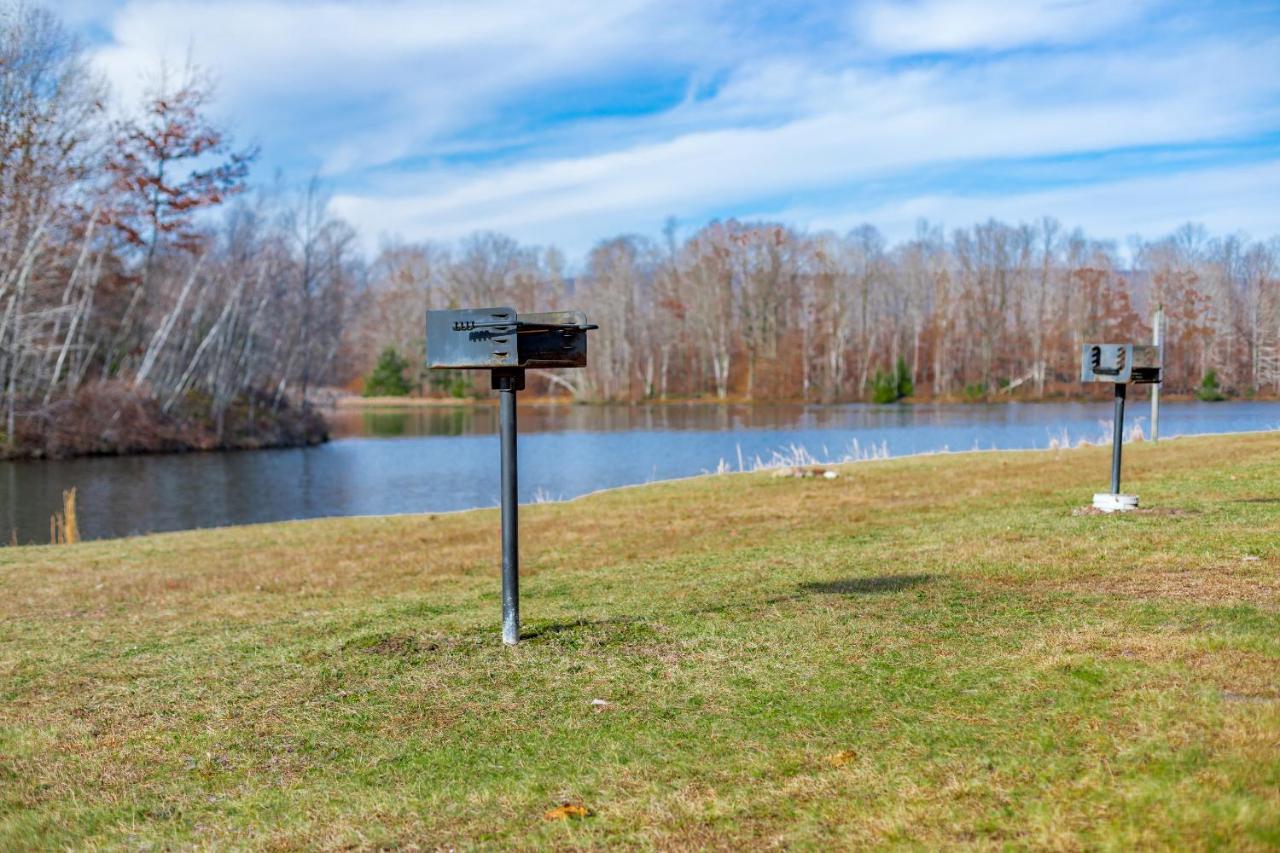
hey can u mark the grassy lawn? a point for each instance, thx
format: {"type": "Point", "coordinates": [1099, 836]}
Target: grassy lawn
{"type": "Point", "coordinates": [924, 652]}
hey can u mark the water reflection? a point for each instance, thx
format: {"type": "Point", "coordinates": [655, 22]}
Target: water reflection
{"type": "Point", "coordinates": [483, 419]}
{"type": "Point", "coordinates": [446, 458]}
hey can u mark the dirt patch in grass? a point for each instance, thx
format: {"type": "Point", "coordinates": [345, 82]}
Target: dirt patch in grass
{"type": "Point", "coordinates": [395, 645]}
{"type": "Point", "coordinates": [1140, 512]}
{"type": "Point", "coordinates": [1240, 582]}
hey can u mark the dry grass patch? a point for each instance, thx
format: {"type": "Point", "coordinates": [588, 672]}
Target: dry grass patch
{"type": "Point", "coordinates": [1252, 582]}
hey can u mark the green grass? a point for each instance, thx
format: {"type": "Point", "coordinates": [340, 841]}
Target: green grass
{"type": "Point", "coordinates": [925, 652]}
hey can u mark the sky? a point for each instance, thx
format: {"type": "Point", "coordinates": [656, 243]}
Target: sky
{"type": "Point", "coordinates": [568, 121]}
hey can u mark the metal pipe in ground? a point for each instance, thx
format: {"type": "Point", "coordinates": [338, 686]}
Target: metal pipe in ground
{"type": "Point", "coordinates": [1157, 336]}
{"type": "Point", "coordinates": [510, 515]}
{"type": "Point", "coordinates": [1117, 438]}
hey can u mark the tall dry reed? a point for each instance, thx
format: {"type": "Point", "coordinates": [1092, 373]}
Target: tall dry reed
{"type": "Point", "coordinates": [64, 527]}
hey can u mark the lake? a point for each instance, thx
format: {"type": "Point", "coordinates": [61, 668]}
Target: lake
{"type": "Point", "coordinates": [440, 459]}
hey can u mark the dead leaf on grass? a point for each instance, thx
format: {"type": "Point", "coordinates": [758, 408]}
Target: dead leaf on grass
{"type": "Point", "coordinates": [568, 811]}
{"type": "Point", "coordinates": [841, 758]}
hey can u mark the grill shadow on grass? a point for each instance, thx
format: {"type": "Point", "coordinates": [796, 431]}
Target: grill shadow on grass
{"type": "Point", "coordinates": [615, 631]}
{"type": "Point", "coordinates": [876, 585]}
{"type": "Point", "coordinates": [623, 630]}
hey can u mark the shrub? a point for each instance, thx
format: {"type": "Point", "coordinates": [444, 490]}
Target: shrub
{"type": "Point", "coordinates": [892, 386]}
{"type": "Point", "coordinates": [884, 388]}
{"type": "Point", "coordinates": [387, 378]}
{"type": "Point", "coordinates": [905, 386]}
{"type": "Point", "coordinates": [976, 392]}
{"type": "Point", "coordinates": [1209, 390]}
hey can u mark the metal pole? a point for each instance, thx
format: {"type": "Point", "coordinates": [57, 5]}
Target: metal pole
{"type": "Point", "coordinates": [1157, 334]}
{"type": "Point", "coordinates": [1117, 438]}
{"type": "Point", "coordinates": [510, 512]}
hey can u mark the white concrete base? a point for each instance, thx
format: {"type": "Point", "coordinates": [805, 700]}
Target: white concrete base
{"type": "Point", "coordinates": [1108, 502]}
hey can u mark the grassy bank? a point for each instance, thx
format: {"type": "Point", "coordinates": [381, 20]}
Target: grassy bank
{"type": "Point", "coordinates": [932, 651]}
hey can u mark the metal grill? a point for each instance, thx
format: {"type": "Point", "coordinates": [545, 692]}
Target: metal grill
{"type": "Point", "coordinates": [1121, 365]}
{"type": "Point", "coordinates": [506, 344]}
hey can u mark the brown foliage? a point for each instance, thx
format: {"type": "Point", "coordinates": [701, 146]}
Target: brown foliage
{"type": "Point", "coordinates": [113, 417]}
{"type": "Point", "coordinates": [161, 170]}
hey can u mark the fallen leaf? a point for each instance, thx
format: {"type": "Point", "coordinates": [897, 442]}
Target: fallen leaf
{"type": "Point", "coordinates": [841, 758]}
{"type": "Point", "coordinates": [568, 811]}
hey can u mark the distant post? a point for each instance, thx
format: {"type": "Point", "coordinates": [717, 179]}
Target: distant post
{"type": "Point", "coordinates": [1157, 337]}
{"type": "Point", "coordinates": [1120, 365]}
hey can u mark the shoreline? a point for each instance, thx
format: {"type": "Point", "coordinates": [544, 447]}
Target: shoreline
{"type": "Point", "coordinates": [37, 456]}
{"type": "Point", "coordinates": [357, 404]}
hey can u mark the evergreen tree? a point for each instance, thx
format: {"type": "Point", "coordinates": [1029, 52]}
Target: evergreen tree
{"type": "Point", "coordinates": [1209, 390]}
{"type": "Point", "coordinates": [905, 386]}
{"type": "Point", "coordinates": [387, 378]}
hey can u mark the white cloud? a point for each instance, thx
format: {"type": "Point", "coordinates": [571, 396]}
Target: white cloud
{"type": "Point", "coordinates": [381, 93]}
{"type": "Point", "coordinates": [945, 26]}
{"type": "Point", "coordinates": [1225, 200]}
{"type": "Point", "coordinates": [377, 80]}
{"type": "Point", "coordinates": [852, 128]}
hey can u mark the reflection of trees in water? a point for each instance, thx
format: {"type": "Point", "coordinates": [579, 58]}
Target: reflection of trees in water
{"type": "Point", "coordinates": [452, 422]}
{"type": "Point", "coordinates": [385, 424]}
{"type": "Point", "coordinates": [482, 420]}
{"type": "Point", "coordinates": [396, 423]}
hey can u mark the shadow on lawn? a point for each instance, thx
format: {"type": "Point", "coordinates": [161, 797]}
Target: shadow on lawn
{"type": "Point", "coordinates": [866, 586]}
{"type": "Point", "coordinates": [622, 630]}
{"type": "Point", "coordinates": [616, 625]}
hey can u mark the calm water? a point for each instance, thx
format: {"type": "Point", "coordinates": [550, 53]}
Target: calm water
{"type": "Point", "coordinates": [447, 459]}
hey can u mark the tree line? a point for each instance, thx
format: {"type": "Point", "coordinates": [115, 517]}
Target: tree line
{"type": "Point", "coordinates": [762, 311]}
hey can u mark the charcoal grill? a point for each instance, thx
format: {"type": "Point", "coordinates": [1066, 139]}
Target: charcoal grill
{"type": "Point", "coordinates": [506, 344]}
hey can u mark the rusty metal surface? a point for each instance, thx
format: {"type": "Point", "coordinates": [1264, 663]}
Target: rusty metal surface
{"type": "Point", "coordinates": [487, 347]}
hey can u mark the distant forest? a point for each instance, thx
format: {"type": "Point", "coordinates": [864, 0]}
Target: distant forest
{"type": "Point", "coordinates": [762, 311]}
{"type": "Point", "coordinates": [151, 298]}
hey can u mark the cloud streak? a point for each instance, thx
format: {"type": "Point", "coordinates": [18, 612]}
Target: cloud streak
{"type": "Point", "coordinates": [951, 26]}
{"type": "Point", "coordinates": [567, 121]}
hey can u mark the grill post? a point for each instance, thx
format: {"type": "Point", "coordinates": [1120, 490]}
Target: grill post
{"type": "Point", "coordinates": [506, 344]}
{"type": "Point", "coordinates": [1117, 437]}
{"type": "Point", "coordinates": [1119, 365]}
{"type": "Point", "coordinates": [507, 383]}
{"type": "Point", "coordinates": [1157, 333]}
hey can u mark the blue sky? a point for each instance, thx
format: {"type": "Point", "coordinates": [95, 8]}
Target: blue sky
{"type": "Point", "coordinates": [566, 121]}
